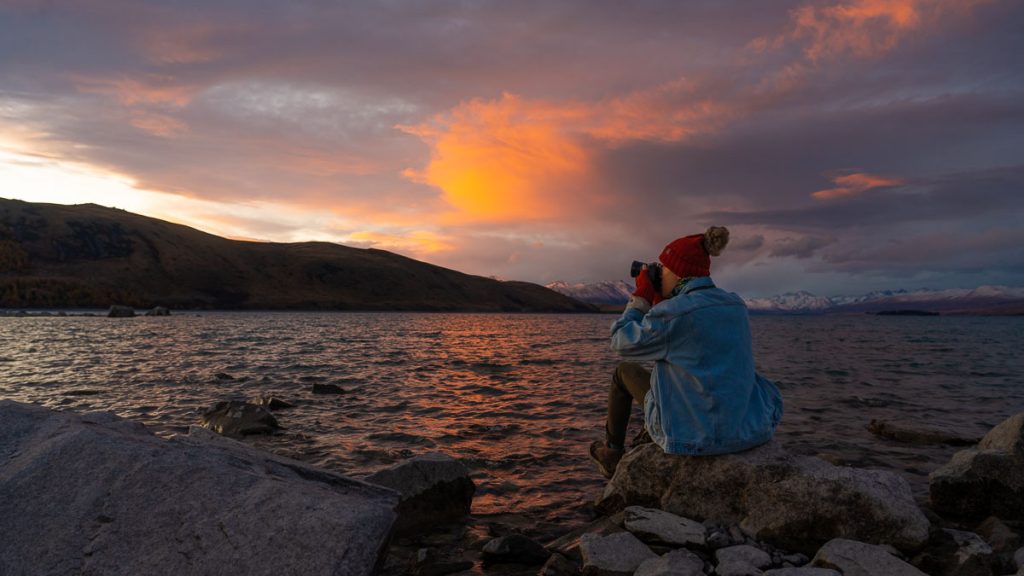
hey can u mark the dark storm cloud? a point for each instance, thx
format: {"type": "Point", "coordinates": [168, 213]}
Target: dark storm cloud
{"type": "Point", "coordinates": [954, 197]}
{"type": "Point", "coordinates": [804, 247]}
{"type": "Point", "coordinates": [437, 49]}
{"type": "Point", "coordinates": [747, 244]}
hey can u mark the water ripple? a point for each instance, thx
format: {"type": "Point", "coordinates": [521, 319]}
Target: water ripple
{"type": "Point", "coordinates": [512, 395]}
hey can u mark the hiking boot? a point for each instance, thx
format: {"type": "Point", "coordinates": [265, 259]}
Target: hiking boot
{"type": "Point", "coordinates": [643, 437]}
{"type": "Point", "coordinates": [607, 459]}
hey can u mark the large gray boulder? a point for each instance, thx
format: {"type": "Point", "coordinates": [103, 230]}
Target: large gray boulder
{"type": "Point", "coordinates": [435, 489]}
{"type": "Point", "coordinates": [95, 494]}
{"type": "Point", "coordinates": [794, 502]}
{"type": "Point", "coordinates": [985, 480]}
{"type": "Point", "coordinates": [853, 558]}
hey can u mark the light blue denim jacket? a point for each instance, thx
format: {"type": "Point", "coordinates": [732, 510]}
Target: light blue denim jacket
{"type": "Point", "coordinates": [705, 396]}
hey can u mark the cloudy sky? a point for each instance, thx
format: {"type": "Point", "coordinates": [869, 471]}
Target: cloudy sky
{"type": "Point", "coordinates": [849, 145]}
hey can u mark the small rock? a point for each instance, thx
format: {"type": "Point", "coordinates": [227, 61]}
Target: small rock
{"type": "Point", "coordinates": [516, 549]}
{"type": "Point", "coordinates": [919, 434]}
{"type": "Point", "coordinates": [742, 560]}
{"type": "Point", "coordinates": [680, 562]}
{"type": "Point", "coordinates": [853, 558]}
{"type": "Point", "coordinates": [223, 376]}
{"type": "Point", "coordinates": [956, 553]}
{"type": "Point", "coordinates": [718, 540]}
{"type": "Point", "coordinates": [618, 554]}
{"type": "Point", "coordinates": [656, 526]}
{"type": "Point", "coordinates": [796, 559]}
{"type": "Point", "coordinates": [238, 418]}
{"type": "Point", "coordinates": [568, 544]}
{"type": "Point", "coordinates": [998, 535]}
{"type": "Point", "coordinates": [745, 554]}
{"type": "Point", "coordinates": [158, 311]}
{"type": "Point", "coordinates": [435, 488]}
{"type": "Point", "coordinates": [121, 312]}
{"type": "Point", "coordinates": [737, 535]}
{"type": "Point", "coordinates": [802, 572]}
{"type": "Point", "coordinates": [327, 389]}
{"type": "Point", "coordinates": [558, 565]}
{"type": "Point", "coordinates": [273, 403]}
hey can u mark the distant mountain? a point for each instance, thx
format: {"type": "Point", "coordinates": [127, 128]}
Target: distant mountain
{"type": "Point", "coordinates": [601, 293]}
{"type": "Point", "coordinates": [981, 300]}
{"type": "Point", "coordinates": [90, 256]}
{"type": "Point", "coordinates": [801, 302]}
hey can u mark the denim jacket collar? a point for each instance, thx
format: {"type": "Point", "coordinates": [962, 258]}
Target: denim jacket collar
{"type": "Point", "coordinates": [698, 283]}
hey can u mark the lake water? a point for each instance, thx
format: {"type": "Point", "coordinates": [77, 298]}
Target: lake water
{"type": "Point", "coordinates": [517, 397]}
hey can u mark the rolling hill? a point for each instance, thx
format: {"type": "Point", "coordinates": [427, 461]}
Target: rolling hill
{"type": "Point", "coordinates": [90, 256]}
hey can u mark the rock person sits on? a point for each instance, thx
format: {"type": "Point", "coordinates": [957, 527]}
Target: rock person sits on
{"type": "Point", "coordinates": [703, 396]}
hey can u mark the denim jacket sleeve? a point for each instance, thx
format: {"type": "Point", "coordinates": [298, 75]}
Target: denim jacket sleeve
{"type": "Point", "coordinates": [640, 336]}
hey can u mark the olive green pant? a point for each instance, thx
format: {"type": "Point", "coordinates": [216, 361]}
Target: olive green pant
{"type": "Point", "coordinates": [630, 381]}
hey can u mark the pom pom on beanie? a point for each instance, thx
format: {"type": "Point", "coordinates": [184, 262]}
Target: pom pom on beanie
{"type": "Point", "coordinates": [715, 239]}
{"type": "Point", "coordinates": [690, 256]}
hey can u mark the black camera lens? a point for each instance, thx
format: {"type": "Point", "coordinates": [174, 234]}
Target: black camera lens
{"type": "Point", "coordinates": [635, 268]}
{"type": "Point", "coordinates": [653, 271]}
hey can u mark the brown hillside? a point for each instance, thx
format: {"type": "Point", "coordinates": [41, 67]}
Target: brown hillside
{"type": "Point", "coordinates": [90, 256]}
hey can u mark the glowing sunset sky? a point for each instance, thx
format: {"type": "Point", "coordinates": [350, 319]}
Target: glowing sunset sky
{"type": "Point", "coordinates": [849, 145]}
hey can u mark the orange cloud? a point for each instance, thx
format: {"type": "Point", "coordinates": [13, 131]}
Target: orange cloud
{"type": "Point", "coordinates": [491, 159]}
{"type": "Point", "coordinates": [856, 183]}
{"type": "Point", "coordinates": [151, 89]}
{"type": "Point", "coordinates": [416, 242]}
{"type": "Point", "coordinates": [157, 124]}
{"type": "Point", "coordinates": [851, 28]}
{"type": "Point", "coordinates": [860, 28]}
{"type": "Point", "coordinates": [518, 159]}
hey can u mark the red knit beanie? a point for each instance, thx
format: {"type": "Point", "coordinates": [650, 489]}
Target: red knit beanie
{"type": "Point", "coordinates": [690, 256]}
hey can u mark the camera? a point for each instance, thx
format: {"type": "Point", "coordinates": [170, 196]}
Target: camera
{"type": "Point", "coordinates": [653, 272]}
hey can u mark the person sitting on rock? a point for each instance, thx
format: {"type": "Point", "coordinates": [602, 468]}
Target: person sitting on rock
{"type": "Point", "coordinates": [703, 396]}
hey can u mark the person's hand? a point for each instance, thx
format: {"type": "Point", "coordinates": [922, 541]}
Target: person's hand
{"type": "Point", "coordinates": [644, 287]}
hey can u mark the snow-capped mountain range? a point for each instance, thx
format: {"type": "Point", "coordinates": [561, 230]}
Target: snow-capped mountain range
{"type": "Point", "coordinates": [608, 292]}
{"type": "Point", "coordinates": [983, 299]}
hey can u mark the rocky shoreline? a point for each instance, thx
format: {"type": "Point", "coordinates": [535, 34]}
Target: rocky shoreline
{"type": "Point", "coordinates": [84, 493]}
{"type": "Point", "coordinates": [115, 311]}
